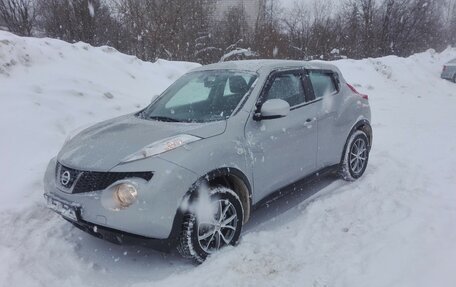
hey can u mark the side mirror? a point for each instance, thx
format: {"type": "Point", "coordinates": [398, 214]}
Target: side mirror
{"type": "Point", "coordinates": [273, 109]}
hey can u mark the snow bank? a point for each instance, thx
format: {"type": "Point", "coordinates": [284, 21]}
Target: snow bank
{"type": "Point", "coordinates": [394, 227]}
{"type": "Point", "coordinates": [49, 88]}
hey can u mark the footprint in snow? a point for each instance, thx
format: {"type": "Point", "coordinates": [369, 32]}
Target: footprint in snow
{"type": "Point", "coordinates": [38, 89]}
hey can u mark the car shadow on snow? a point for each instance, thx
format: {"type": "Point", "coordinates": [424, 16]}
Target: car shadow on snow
{"type": "Point", "coordinates": [279, 210]}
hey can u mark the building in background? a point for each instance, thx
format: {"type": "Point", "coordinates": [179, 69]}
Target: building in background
{"type": "Point", "coordinates": [251, 8]}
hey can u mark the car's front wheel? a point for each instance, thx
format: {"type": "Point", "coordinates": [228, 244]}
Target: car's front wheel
{"type": "Point", "coordinates": [211, 224]}
{"type": "Point", "coordinates": [356, 156]}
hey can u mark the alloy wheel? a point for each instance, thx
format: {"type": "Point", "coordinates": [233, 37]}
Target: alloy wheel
{"type": "Point", "coordinates": [358, 156]}
{"type": "Point", "coordinates": [219, 231]}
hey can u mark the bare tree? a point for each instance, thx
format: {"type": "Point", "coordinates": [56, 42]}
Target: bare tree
{"type": "Point", "coordinates": [189, 29]}
{"type": "Point", "coordinates": [165, 28]}
{"type": "Point", "coordinates": [89, 21]}
{"type": "Point", "coordinates": [298, 26]}
{"type": "Point", "coordinates": [324, 32]}
{"type": "Point", "coordinates": [351, 42]}
{"type": "Point", "coordinates": [18, 15]}
{"type": "Point", "coordinates": [449, 12]}
{"type": "Point", "coordinates": [367, 11]}
{"type": "Point", "coordinates": [232, 31]}
{"type": "Point", "coordinates": [398, 27]}
{"type": "Point", "coordinates": [419, 27]}
{"type": "Point", "coordinates": [269, 39]}
{"type": "Point", "coordinates": [233, 28]}
{"type": "Point", "coordinates": [134, 16]}
{"type": "Point", "coordinates": [452, 28]}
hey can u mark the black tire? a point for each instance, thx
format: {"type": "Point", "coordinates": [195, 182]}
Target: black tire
{"type": "Point", "coordinates": [454, 78]}
{"type": "Point", "coordinates": [192, 246]}
{"type": "Point", "coordinates": [355, 157]}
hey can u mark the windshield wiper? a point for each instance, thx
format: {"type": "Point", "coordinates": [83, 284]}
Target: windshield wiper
{"type": "Point", "coordinates": [164, 119]}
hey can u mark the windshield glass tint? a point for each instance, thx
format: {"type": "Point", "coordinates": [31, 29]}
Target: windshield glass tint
{"type": "Point", "coordinates": [201, 97]}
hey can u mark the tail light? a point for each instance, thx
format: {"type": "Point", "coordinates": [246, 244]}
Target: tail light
{"type": "Point", "coordinates": [444, 69]}
{"type": "Point", "coordinates": [366, 97]}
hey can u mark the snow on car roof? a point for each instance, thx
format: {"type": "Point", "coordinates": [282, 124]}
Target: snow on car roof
{"type": "Point", "coordinates": [266, 65]}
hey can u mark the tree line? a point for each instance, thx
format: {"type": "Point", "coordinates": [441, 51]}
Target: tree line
{"type": "Point", "coordinates": [189, 30]}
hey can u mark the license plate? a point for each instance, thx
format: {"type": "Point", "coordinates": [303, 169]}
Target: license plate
{"type": "Point", "coordinates": [67, 210]}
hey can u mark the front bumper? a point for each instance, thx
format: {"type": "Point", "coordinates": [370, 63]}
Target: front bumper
{"type": "Point", "coordinates": [154, 218]}
{"type": "Point", "coordinates": [125, 238]}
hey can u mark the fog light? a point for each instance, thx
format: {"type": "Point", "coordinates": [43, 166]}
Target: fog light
{"type": "Point", "coordinates": [125, 194]}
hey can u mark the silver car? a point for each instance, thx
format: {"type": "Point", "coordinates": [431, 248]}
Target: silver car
{"type": "Point", "coordinates": [449, 71]}
{"type": "Point", "coordinates": [187, 171]}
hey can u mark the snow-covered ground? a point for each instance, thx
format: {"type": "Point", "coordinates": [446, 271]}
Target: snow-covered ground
{"type": "Point", "coordinates": [394, 227]}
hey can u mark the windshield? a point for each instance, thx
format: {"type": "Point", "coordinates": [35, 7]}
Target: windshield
{"type": "Point", "coordinates": [204, 96]}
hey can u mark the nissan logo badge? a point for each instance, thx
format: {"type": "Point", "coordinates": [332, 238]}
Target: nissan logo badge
{"type": "Point", "coordinates": [65, 177]}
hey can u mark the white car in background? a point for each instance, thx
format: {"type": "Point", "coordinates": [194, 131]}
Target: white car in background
{"type": "Point", "coordinates": [449, 71]}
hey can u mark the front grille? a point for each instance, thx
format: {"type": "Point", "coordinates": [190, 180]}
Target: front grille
{"type": "Point", "coordinates": [86, 181]}
{"type": "Point", "coordinates": [66, 176]}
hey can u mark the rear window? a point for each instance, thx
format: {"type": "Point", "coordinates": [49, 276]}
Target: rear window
{"type": "Point", "coordinates": [323, 83]}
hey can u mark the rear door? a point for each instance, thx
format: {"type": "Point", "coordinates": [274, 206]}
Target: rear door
{"type": "Point", "coordinates": [283, 150]}
{"type": "Point", "coordinates": [327, 101]}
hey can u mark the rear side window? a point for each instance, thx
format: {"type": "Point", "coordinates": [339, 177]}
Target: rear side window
{"type": "Point", "coordinates": [287, 87]}
{"type": "Point", "coordinates": [323, 83]}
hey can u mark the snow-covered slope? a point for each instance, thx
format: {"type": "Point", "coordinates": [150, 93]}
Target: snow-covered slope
{"type": "Point", "coordinates": [48, 88]}
{"type": "Point", "coordinates": [394, 227]}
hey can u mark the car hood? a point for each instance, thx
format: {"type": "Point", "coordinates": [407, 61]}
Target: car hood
{"type": "Point", "coordinates": [104, 145]}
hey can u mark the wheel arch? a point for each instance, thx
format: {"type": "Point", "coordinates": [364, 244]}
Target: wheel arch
{"type": "Point", "coordinates": [229, 177]}
{"type": "Point", "coordinates": [362, 125]}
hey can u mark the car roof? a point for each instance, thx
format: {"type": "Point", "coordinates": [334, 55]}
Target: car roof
{"type": "Point", "coordinates": [265, 66]}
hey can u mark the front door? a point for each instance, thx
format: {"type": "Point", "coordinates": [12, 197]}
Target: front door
{"type": "Point", "coordinates": [283, 150]}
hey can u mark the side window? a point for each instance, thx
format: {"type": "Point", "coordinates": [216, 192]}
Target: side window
{"type": "Point", "coordinates": [323, 83]}
{"type": "Point", "coordinates": [287, 87]}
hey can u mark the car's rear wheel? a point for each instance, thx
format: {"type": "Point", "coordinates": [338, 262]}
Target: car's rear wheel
{"type": "Point", "coordinates": [454, 78]}
{"type": "Point", "coordinates": [206, 231]}
{"type": "Point", "coordinates": [356, 156]}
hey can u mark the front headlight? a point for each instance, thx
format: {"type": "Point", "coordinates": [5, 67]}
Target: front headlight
{"type": "Point", "coordinates": [125, 194]}
{"type": "Point", "coordinates": [161, 146]}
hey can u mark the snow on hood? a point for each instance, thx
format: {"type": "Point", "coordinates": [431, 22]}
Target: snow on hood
{"type": "Point", "coordinates": [104, 145]}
